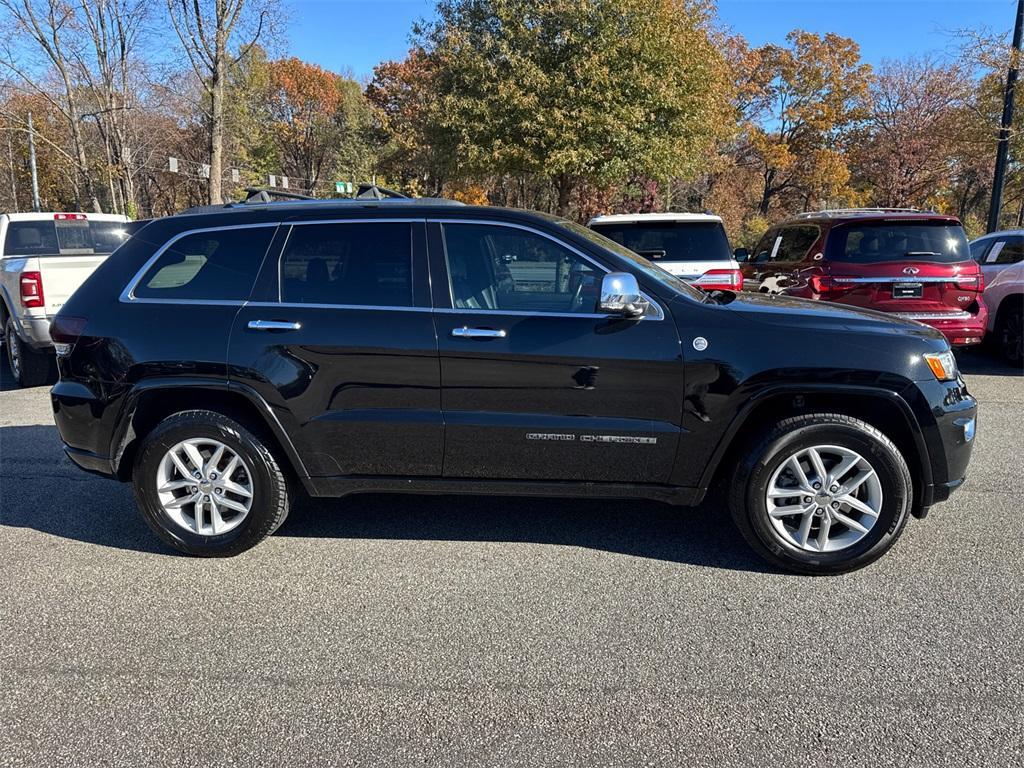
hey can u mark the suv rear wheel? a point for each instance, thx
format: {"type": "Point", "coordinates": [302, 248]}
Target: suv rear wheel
{"type": "Point", "coordinates": [207, 486]}
{"type": "Point", "coordinates": [821, 494]}
{"type": "Point", "coordinates": [1010, 331]}
{"type": "Point", "coordinates": [29, 368]}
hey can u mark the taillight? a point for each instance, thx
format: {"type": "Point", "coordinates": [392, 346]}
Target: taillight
{"type": "Point", "coordinates": [720, 280]}
{"type": "Point", "coordinates": [829, 286]}
{"type": "Point", "coordinates": [970, 282]}
{"type": "Point", "coordinates": [65, 331]}
{"type": "Point", "coordinates": [32, 290]}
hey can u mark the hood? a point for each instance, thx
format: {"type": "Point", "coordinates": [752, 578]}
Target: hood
{"type": "Point", "coordinates": [787, 312]}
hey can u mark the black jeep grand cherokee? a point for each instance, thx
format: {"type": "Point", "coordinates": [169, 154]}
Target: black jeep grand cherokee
{"type": "Point", "coordinates": [224, 360]}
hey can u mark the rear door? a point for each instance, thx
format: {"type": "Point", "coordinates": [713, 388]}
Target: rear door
{"type": "Point", "coordinates": [537, 385]}
{"type": "Point", "coordinates": [1001, 253]}
{"type": "Point", "coordinates": [339, 340]}
{"type": "Point", "coordinates": [915, 266]}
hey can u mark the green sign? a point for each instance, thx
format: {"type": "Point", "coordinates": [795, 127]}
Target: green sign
{"type": "Point", "coordinates": [343, 187]}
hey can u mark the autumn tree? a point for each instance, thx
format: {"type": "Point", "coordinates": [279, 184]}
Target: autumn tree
{"type": "Point", "coordinates": [46, 35]}
{"type": "Point", "coordinates": [401, 94]}
{"type": "Point", "coordinates": [807, 96]}
{"type": "Point", "coordinates": [215, 35]}
{"type": "Point", "coordinates": [574, 90]}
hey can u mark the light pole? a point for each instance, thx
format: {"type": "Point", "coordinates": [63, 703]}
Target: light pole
{"type": "Point", "coordinates": [1004, 127]}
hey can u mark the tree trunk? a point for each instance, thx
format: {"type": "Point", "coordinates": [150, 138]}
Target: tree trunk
{"type": "Point", "coordinates": [217, 120]}
{"type": "Point", "coordinates": [564, 190]}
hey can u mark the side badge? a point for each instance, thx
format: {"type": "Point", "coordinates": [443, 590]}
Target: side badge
{"type": "Point", "coordinates": [700, 343]}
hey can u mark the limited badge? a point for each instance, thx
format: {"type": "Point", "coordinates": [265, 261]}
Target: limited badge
{"type": "Point", "coordinates": [700, 343]}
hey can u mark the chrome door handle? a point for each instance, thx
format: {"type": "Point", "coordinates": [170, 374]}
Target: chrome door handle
{"type": "Point", "coordinates": [478, 333]}
{"type": "Point", "coordinates": [273, 325]}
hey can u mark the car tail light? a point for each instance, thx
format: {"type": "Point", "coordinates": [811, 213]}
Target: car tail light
{"type": "Point", "coordinates": [70, 217]}
{"type": "Point", "coordinates": [32, 290]}
{"type": "Point", "coordinates": [829, 286]}
{"type": "Point", "coordinates": [65, 331]}
{"type": "Point", "coordinates": [970, 282]}
{"type": "Point", "coordinates": [720, 280]}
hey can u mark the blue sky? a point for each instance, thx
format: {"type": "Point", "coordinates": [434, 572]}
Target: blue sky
{"type": "Point", "coordinates": [354, 35]}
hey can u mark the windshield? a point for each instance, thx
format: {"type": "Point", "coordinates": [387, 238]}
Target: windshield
{"type": "Point", "coordinates": [671, 240]}
{"type": "Point", "coordinates": [642, 264]}
{"type": "Point", "coordinates": [54, 238]}
{"type": "Point", "coordinates": [875, 242]}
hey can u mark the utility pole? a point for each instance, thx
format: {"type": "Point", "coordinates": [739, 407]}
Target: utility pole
{"type": "Point", "coordinates": [32, 165]}
{"type": "Point", "coordinates": [14, 182]}
{"type": "Point", "coordinates": [1004, 127]}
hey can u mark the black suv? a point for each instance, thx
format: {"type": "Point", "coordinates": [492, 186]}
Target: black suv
{"type": "Point", "coordinates": [225, 360]}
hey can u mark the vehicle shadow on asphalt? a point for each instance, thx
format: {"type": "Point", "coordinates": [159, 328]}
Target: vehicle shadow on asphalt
{"type": "Point", "coordinates": [702, 536]}
{"type": "Point", "coordinates": [43, 491]}
{"type": "Point", "coordinates": [986, 363]}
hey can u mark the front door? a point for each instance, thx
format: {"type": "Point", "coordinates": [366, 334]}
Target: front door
{"type": "Point", "coordinates": [341, 344]}
{"type": "Point", "coordinates": [536, 385]}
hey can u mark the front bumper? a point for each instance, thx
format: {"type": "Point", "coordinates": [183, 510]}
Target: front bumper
{"type": "Point", "coordinates": [949, 437]}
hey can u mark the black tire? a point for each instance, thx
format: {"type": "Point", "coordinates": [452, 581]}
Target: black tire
{"type": "Point", "coordinates": [271, 497]}
{"type": "Point", "coordinates": [28, 367]}
{"type": "Point", "coordinates": [1009, 332]}
{"type": "Point", "coordinates": [750, 480]}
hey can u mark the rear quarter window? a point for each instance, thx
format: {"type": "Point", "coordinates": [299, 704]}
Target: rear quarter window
{"type": "Point", "coordinates": [218, 265]}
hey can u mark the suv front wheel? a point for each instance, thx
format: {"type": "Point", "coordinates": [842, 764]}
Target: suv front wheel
{"type": "Point", "coordinates": [207, 486]}
{"type": "Point", "coordinates": [821, 494]}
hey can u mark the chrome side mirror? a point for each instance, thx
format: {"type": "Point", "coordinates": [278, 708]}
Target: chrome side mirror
{"type": "Point", "coordinates": [620, 295]}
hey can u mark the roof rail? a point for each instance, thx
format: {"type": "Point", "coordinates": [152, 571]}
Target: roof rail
{"type": "Point", "coordinates": [373, 192]}
{"type": "Point", "coordinates": [260, 195]}
{"type": "Point", "coordinates": [829, 212]}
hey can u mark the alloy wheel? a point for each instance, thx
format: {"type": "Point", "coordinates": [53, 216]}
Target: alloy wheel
{"type": "Point", "coordinates": [13, 353]}
{"type": "Point", "coordinates": [204, 486]}
{"type": "Point", "coordinates": [1013, 337]}
{"type": "Point", "coordinates": [824, 499]}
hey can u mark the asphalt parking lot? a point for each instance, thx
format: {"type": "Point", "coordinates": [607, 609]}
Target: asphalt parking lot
{"type": "Point", "coordinates": [392, 630]}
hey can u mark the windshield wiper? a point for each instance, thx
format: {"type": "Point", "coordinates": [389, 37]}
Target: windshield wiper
{"type": "Point", "coordinates": [922, 253]}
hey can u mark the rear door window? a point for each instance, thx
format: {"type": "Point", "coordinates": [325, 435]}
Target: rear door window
{"type": "Point", "coordinates": [359, 264]}
{"type": "Point", "coordinates": [1009, 250]}
{"type": "Point", "coordinates": [671, 240]}
{"type": "Point", "coordinates": [883, 241]}
{"type": "Point", "coordinates": [219, 265]}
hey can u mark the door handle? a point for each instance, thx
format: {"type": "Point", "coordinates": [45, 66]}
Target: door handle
{"type": "Point", "coordinates": [478, 333]}
{"type": "Point", "coordinates": [273, 325]}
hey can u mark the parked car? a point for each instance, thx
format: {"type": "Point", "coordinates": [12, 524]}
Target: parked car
{"type": "Point", "coordinates": [912, 264]}
{"type": "Point", "coordinates": [386, 346]}
{"type": "Point", "coordinates": [691, 246]}
{"type": "Point", "coordinates": [44, 257]}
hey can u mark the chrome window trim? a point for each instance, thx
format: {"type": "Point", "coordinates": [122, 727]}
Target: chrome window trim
{"type": "Point", "coordinates": [659, 314]}
{"type": "Point", "coordinates": [128, 294]}
{"type": "Point", "coordinates": [301, 305]}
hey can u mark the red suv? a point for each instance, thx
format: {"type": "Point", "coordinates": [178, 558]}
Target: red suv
{"type": "Point", "coordinates": [914, 264]}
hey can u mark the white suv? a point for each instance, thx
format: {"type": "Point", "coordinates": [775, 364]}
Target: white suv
{"type": "Point", "coordinates": [1001, 257]}
{"type": "Point", "coordinates": [44, 257]}
{"type": "Point", "coordinates": [691, 246]}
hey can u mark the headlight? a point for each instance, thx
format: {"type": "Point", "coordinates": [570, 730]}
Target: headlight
{"type": "Point", "coordinates": [943, 365]}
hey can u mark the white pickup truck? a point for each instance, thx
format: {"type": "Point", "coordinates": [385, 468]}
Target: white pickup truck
{"type": "Point", "coordinates": [44, 257]}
